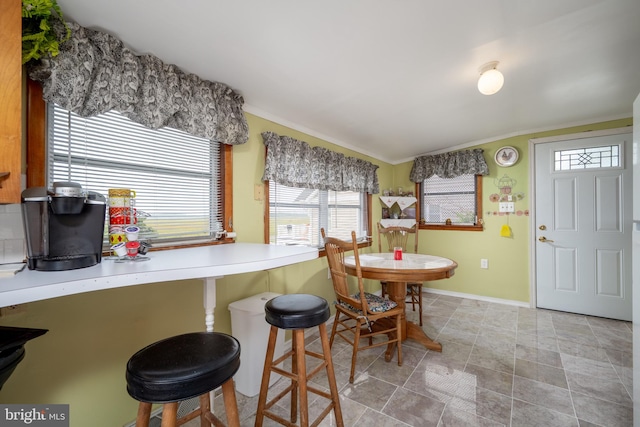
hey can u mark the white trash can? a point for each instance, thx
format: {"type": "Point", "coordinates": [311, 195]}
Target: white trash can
{"type": "Point", "coordinates": [252, 330]}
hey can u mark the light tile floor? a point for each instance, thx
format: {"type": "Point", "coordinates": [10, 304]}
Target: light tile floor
{"type": "Point", "coordinates": [500, 366]}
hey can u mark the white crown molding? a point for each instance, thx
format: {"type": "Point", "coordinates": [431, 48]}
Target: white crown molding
{"type": "Point", "coordinates": [520, 133]}
{"type": "Point", "coordinates": [279, 120]}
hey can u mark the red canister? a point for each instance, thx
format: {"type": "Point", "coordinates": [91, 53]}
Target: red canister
{"type": "Point", "coordinates": [132, 248]}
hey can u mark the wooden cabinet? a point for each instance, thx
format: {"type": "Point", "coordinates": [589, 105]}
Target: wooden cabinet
{"type": "Point", "coordinates": [10, 100]}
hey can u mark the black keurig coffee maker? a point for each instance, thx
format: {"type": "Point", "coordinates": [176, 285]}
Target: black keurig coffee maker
{"type": "Point", "coordinates": [64, 227]}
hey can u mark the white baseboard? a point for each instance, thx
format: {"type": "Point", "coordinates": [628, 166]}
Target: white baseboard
{"type": "Point", "coordinates": [471, 296]}
{"type": "Point", "coordinates": [477, 297]}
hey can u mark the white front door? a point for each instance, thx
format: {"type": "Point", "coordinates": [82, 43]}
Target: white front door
{"type": "Point", "coordinates": [583, 201]}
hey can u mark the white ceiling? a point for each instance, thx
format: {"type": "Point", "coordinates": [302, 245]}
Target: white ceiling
{"type": "Point", "coordinates": [396, 78]}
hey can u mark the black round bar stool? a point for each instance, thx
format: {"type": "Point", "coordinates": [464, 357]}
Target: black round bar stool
{"type": "Point", "coordinates": [298, 312]}
{"type": "Point", "coordinates": [183, 367]}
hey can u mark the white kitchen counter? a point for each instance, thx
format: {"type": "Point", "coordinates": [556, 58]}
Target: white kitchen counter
{"type": "Point", "coordinates": [207, 263]}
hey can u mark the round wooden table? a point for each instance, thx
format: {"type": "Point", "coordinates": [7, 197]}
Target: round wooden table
{"type": "Point", "coordinates": [412, 268]}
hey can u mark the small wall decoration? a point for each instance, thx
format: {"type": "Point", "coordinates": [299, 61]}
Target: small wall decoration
{"type": "Point", "coordinates": [505, 185]}
{"type": "Point", "coordinates": [506, 156]}
{"type": "Point", "coordinates": [506, 193]}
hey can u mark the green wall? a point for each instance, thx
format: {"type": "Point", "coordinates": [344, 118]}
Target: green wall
{"type": "Point", "coordinates": [81, 360]}
{"type": "Point", "coordinates": [507, 277]}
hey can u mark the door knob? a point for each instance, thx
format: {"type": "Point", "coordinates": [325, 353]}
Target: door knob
{"type": "Point", "coordinates": [543, 227]}
{"type": "Point", "coordinates": [544, 239]}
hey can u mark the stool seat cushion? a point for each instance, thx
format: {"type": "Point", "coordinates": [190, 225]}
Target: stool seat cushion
{"type": "Point", "coordinates": [182, 367]}
{"type": "Point", "coordinates": [297, 311]}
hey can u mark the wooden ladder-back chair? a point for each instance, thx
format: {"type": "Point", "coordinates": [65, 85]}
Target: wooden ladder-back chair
{"type": "Point", "coordinates": [359, 315]}
{"type": "Point", "coordinates": [400, 237]}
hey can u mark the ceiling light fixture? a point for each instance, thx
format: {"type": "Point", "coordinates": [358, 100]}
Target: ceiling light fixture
{"type": "Point", "coordinates": [491, 80]}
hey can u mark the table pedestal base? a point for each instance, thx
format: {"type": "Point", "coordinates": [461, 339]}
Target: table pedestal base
{"type": "Point", "coordinates": [398, 293]}
{"type": "Point", "coordinates": [416, 333]}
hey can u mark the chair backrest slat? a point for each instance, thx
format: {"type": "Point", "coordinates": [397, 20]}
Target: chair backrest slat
{"type": "Point", "coordinates": [397, 237]}
{"type": "Point", "coordinates": [335, 250]}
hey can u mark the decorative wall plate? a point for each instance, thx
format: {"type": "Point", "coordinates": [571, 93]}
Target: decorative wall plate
{"type": "Point", "coordinates": [506, 156]}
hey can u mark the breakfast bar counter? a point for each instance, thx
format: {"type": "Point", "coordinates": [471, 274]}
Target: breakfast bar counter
{"type": "Point", "coordinates": [207, 262]}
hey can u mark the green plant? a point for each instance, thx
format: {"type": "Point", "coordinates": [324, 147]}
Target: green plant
{"type": "Point", "coordinates": [39, 35]}
{"type": "Point", "coordinates": [467, 217]}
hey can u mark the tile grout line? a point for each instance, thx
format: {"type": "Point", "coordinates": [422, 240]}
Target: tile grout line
{"type": "Point", "coordinates": [513, 374]}
{"type": "Point", "coordinates": [466, 363]}
{"type": "Point", "coordinates": [610, 362]}
{"type": "Point", "coordinates": [564, 370]}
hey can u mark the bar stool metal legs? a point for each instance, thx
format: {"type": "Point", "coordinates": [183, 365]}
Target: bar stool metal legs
{"type": "Point", "coordinates": [299, 388]}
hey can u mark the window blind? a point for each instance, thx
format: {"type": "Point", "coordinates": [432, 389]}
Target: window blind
{"type": "Point", "coordinates": [176, 176]}
{"type": "Point", "coordinates": [449, 198]}
{"type": "Point", "coordinates": [297, 214]}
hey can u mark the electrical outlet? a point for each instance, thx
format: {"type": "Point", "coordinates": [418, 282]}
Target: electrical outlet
{"type": "Point", "coordinates": [484, 263]}
{"type": "Point", "coordinates": [506, 207]}
{"type": "Point", "coordinates": [258, 192]}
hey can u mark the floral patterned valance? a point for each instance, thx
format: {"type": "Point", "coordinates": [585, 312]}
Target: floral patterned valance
{"type": "Point", "coordinates": [95, 73]}
{"type": "Point", "coordinates": [296, 164]}
{"type": "Point", "coordinates": [449, 165]}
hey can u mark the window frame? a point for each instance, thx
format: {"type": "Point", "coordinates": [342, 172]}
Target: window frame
{"type": "Point", "coordinates": [478, 226]}
{"type": "Point", "coordinates": [36, 130]}
{"type": "Point", "coordinates": [321, 251]}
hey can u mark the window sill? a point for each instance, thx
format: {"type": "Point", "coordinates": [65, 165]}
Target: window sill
{"type": "Point", "coordinates": [321, 251]}
{"type": "Point", "coordinates": [476, 227]}
{"type": "Point", "coordinates": [166, 247]}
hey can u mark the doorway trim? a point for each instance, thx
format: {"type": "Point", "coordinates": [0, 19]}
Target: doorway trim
{"type": "Point", "coordinates": [532, 183]}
